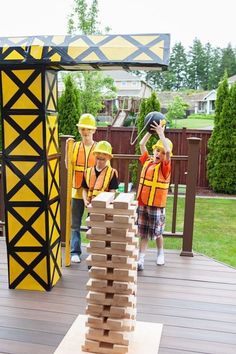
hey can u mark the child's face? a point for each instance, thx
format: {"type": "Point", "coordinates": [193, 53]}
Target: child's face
{"type": "Point", "coordinates": [101, 159]}
{"type": "Point", "coordinates": [86, 133]}
{"type": "Point", "coordinates": [159, 154]}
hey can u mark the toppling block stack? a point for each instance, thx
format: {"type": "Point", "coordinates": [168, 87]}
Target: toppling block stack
{"type": "Point", "coordinates": [113, 252]}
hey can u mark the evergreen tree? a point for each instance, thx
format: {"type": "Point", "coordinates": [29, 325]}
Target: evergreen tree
{"type": "Point", "coordinates": [196, 65]}
{"type": "Point", "coordinates": [221, 162]}
{"type": "Point", "coordinates": [178, 64]}
{"type": "Point", "coordinates": [228, 61]}
{"type": "Point", "coordinates": [69, 107]}
{"type": "Point", "coordinates": [214, 68]}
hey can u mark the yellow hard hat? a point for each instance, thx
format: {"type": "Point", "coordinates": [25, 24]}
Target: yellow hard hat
{"type": "Point", "coordinates": [159, 145]}
{"type": "Point", "coordinates": [103, 147]}
{"type": "Point", "coordinates": [87, 120]}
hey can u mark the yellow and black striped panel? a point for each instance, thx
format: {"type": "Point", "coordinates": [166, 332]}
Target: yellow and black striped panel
{"type": "Point", "coordinates": [80, 52]}
{"type": "Point", "coordinates": [31, 177]}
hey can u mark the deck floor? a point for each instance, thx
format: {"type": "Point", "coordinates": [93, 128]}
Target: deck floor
{"type": "Point", "coordinates": [194, 298]}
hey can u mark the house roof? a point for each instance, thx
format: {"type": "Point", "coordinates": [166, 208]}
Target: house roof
{"type": "Point", "coordinates": [166, 97]}
{"type": "Point", "coordinates": [232, 78]}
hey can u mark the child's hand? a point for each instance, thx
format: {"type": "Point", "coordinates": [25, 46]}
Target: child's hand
{"type": "Point", "coordinates": [86, 203]}
{"type": "Point", "coordinates": [157, 128]}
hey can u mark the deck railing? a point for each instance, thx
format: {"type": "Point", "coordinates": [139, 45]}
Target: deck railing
{"type": "Point", "coordinates": [191, 163]}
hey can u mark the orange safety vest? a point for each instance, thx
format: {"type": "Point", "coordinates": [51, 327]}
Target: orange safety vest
{"type": "Point", "coordinates": [153, 187]}
{"type": "Point", "coordinates": [80, 163]}
{"type": "Point", "coordinates": [99, 184]}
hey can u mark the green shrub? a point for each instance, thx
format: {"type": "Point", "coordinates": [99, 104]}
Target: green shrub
{"type": "Point", "coordinates": [201, 116]}
{"type": "Point", "coordinates": [221, 163]}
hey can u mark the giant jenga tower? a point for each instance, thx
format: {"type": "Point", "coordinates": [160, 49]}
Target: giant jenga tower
{"type": "Point", "coordinates": [113, 251]}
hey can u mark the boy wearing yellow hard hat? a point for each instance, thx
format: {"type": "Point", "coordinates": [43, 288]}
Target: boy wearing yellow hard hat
{"type": "Point", "coordinates": [152, 192]}
{"type": "Point", "coordinates": [82, 158]}
{"type": "Point", "coordinates": [102, 177]}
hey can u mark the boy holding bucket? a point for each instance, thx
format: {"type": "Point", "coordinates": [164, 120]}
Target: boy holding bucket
{"type": "Point", "coordinates": [152, 192]}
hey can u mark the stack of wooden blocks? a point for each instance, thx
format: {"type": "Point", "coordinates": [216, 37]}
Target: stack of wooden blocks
{"type": "Point", "coordinates": [113, 252]}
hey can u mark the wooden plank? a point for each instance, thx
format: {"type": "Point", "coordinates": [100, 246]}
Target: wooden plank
{"type": "Point", "coordinates": [94, 260]}
{"type": "Point", "coordinates": [130, 251]}
{"type": "Point", "coordinates": [110, 224]}
{"type": "Point", "coordinates": [117, 287]}
{"type": "Point", "coordinates": [110, 210]}
{"type": "Point", "coordinates": [103, 200]}
{"type": "Point", "coordinates": [130, 238]}
{"type": "Point", "coordinates": [111, 323]}
{"type": "Point", "coordinates": [123, 201]}
{"type": "Point", "coordinates": [97, 217]}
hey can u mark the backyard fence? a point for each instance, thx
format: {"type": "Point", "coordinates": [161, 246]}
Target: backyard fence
{"type": "Point", "coordinates": [120, 140]}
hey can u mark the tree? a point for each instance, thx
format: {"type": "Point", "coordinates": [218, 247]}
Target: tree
{"type": "Point", "coordinates": [69, 107]}
{"type": "Point", "coordinates": [228, 61]}
{"type": "Point", "coordinates": [177, 109]}
{"type": "Point", "coordinates": [196, 65]}
{"type": "Point", "coordinates": [147, 105]}
{"type": "Point", "coordinates": [222, 144]}
{"type": "Point", "coordinates": [83, 18]}
{"type": "Point", "coordinates": [94, 87]}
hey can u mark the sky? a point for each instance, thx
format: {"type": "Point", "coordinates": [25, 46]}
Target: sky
{"type": "Point", "coordinates": [184, 20]}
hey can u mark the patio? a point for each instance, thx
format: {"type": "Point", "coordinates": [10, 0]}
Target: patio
{"type": "Point", "coordinates": [194, 298]}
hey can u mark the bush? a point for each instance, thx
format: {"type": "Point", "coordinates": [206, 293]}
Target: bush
{"type": "Point", "coordinates": [201, 116]}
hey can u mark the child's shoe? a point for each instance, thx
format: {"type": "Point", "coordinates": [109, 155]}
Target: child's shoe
{"type": "Point", "coordinates": [160, 259]}
{"type": "Point", "coordinates": [140, 265]}
{"type": "Point", "coordinates": [75, 258]}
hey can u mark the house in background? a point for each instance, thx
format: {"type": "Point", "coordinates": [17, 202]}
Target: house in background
{"type": "Point", "coordinates": [129, 84]}
{"type": "Point", "coordinates": [206, 105]}
{"type": "Point", "coordinates": [198, 102]}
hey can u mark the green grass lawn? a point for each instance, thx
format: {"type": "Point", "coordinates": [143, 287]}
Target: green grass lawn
{"type": "Point", "coordinates": [214, 228]}
{"type": "Point", "coordinates": [192, 123]}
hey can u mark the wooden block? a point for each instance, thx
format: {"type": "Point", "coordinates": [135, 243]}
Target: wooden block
{"type": "Point", "coordinates": [110, 323]}
{"type": "Point", "coordinates": [103, 200]}
{"type": "Point", "coordinates": [103, 262]}
{"type": "Point", "coordinates": [123, 200]}
{"type": "Point", "coordinates": [97, 217]}
{"type": "Point", "coordinates": [97, 244]}
{"type": "Point", "coordinates": [124, 219]}
{"type": "Point", "coordinates": [97, 230]}
{"type": "Point", "coordinates": [111, 224]}
{"type": "Point", "coordinates": [119, 232]}
{"type": "Point", "coordinates": [130, 251]}
{"type": "Point", "coordinates": [146, 339]}
{"type": "Point", "coordinates": [96, 297]}
{"type": "Point", "coordinates": [132, 211]}
{"type": "Point", "coordinates": [104, 348]}
{"type": "Point", "coordinates": [98, 272]}
{"type": "Point", "coordinates": [98, 257]}
{"type": "Point", "coordinates": [111, 311]}
{"type": "Point", "coordinates": [97, 284]}
{"type": "Point", "coordinates": [117, 286]}
{"type": "Point", "coordinates": [119, 245]}
{"type": "Point", "coordinates": [129, 239]}
{"type": "Point", "coordinates": [108, 299]}
{"type": "Point", "coordinates": [113, 337]}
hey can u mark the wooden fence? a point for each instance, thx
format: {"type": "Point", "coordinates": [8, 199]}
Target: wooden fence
{"type": "Point", "coordinates": [120, 140]}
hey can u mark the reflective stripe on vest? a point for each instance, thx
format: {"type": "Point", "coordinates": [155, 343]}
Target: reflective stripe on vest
{"type": "Point", "coordinates": [153, 187]}
{"type": "Point", "coordinates": [98, 184]}
{"type": "Point", "coordinates": [80, 163]}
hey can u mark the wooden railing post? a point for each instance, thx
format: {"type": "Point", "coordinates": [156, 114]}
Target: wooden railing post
{"type": "Point", "coordinates": [63, 184]}
{"type": "Point", "coordinates": [191, 183]}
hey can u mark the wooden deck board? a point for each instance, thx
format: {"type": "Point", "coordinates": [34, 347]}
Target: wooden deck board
{"type": "Point", "coordinates": [194, 298]}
